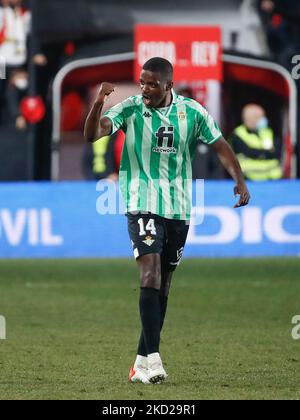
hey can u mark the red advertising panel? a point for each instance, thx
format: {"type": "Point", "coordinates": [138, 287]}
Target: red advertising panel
{"type": "Point", "coordinates": [194, 51]}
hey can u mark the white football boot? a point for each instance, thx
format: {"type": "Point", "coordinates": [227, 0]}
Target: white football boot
{"type": "Point", "coordinates": [156, 372]}
{"type": "Point", "coordinates": [139, 371]}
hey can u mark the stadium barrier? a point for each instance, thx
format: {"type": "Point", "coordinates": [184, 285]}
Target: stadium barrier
{"type": "Point", "coordinates": [60, 220]}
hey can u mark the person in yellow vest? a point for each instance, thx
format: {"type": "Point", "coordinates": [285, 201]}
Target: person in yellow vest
{"type": "Point", "coordinates": [253, 143]}
{"type": "Point", "coordinates": [99, 161]}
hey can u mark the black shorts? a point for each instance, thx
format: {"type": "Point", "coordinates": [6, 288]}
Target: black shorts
{"type": "Point", "coordinates": [152, 234]}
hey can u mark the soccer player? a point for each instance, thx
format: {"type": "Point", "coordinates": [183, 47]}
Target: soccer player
{"type": "Point", "coordinates": [162, 130]}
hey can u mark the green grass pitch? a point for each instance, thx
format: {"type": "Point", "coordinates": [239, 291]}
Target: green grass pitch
{"type": "Point", "coordinates": [73, 325]}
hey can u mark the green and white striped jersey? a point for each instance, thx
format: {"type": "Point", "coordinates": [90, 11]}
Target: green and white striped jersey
{"type": "Point", "coordinates": [156, 164]}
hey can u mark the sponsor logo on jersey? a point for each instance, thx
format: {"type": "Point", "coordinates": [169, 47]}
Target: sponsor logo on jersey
{"type": "Point", "coordinates": [164, 150]}
{"type": "Point", "coordinates": [165, 140]}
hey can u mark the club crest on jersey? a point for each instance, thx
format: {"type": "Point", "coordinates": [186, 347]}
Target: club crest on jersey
{"type": "Point", "coordinates": [165, 140]}
{"type": "Point", "coordinates": [182, 115]}
{"type": "Point", "coordinates": [149, 241]}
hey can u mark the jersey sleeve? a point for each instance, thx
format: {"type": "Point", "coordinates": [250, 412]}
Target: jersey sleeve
{"type": "Point", "coordinates": [207, 130]}
{"type": "Point", "coordinates": [116, 115]}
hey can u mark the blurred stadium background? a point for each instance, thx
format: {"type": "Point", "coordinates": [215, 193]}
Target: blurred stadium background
{"type": "Point", "coordinates": [48, 199]}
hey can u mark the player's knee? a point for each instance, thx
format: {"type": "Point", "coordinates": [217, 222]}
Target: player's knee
{"type": "Point", "coordinates": [150, 278]}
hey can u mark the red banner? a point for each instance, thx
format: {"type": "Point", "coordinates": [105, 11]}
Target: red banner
{"type": "Point", "coordinates": [194, 51]}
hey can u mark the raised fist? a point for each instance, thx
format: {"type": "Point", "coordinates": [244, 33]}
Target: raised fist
{"type": "Point", "coordinates": [105, 90]}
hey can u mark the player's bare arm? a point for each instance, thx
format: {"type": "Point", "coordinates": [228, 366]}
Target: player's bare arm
{"type": "Point", "coordinates": [231, 164]}
{"type": "Point", "coordinates": [93, 130]}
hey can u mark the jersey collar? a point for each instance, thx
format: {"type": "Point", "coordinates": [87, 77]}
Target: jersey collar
{"type": "Point", "coordinates": [174, 97]}
{"type": "Point", "coordinates": [174, 102]}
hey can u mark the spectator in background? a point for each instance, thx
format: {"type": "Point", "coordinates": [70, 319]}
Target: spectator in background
{"type": "Point", "coordinates": [281, 19]}
{"type": "Point", "coordinates": [253, 143]}
{"type": "Point", "coordinates": [102, 158]}
{"type": "Point", "coordinates": [15, 23]}
{"type": "Point", "coordinates": [251, 38]}
{"type": "Point", "coordinates": [15, 92]}
{"type": "Point", "coordinates": [14, 29]}
{"type": "Point", "coordinates": [4, 7]}
{"type": "Point", "coordinates": [4, 10]}
{"type": "Point", "coordinates": [276, 28]}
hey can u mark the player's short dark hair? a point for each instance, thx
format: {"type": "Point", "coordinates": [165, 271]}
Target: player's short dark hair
{"type": "Point", "coordinates": [160, 65]}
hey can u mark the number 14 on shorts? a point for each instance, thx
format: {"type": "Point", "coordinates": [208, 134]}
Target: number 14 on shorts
{"type": "Point", "coordinates": [150, 227]}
